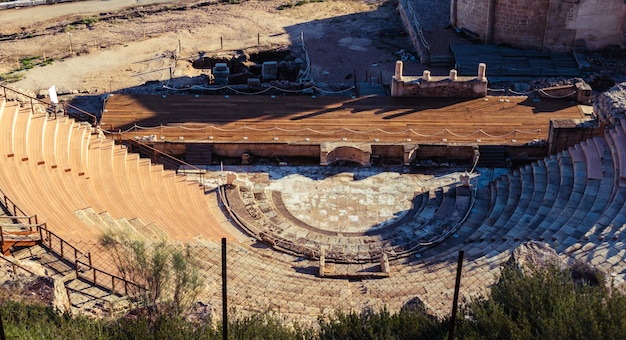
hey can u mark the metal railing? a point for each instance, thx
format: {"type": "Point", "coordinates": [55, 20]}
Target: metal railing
{"type": "Point", "coordinates": [154, 154]}
{"type": "Point", "coordinates": [82, 262]}
{"type": "Point", "coordinates": [47, 104]}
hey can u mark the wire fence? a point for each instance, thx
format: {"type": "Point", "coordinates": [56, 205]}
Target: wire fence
{"type": "Point", "coordinates": [415, 25]}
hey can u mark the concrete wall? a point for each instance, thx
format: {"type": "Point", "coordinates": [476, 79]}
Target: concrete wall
{"type": "Point", "coordinates": [549, 25]}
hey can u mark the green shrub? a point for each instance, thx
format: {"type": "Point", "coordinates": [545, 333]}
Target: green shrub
{"type": "Point", "coordinates": [407, 324]}
{"type": "Point", "coordinates": [167, 276]}
{"type": "Point", "coordinates": [545, 304]}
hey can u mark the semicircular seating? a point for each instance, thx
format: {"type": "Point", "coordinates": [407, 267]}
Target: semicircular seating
{"type": "Point", "coordinates": [53, 167]}
{"type": "Point", "coordinates": [573, 200]}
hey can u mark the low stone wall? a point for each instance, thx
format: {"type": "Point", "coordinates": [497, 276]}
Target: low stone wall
{"type": "Point", "coordinates": [439, 86]}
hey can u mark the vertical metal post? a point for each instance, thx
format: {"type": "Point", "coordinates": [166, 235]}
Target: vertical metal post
{"type": "Point", "coordinates": [455, 302]}
{"type": "Point", "coordinates": [224, 293]}
{"type": "Point", "coordinates": [2, 336]}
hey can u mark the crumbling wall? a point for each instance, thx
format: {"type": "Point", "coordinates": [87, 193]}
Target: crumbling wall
{"type": "Point", "coordinates": [610, 106]}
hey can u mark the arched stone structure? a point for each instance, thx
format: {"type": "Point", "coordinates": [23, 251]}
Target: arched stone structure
{"type": "Point", "coordinates": [353, 152]}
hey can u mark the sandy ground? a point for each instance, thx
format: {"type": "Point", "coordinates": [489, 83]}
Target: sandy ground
{"type": "Point", "coordinates": [96, 49]}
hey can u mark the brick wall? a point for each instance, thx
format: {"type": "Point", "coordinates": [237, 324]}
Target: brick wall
{"type": "Point", "coordinates": [473, 15]}
{"type": "Point", "coordinates": [520, 23]}
{"type": "Point", "coordinates": [549, 25]}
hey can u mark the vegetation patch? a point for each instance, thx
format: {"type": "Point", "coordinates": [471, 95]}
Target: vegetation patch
{"type": "Point", "coordinates": [544, 303]}
{"type": "Point", "coordinates": [296, 4]}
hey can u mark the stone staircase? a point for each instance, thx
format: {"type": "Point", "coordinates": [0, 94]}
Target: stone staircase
{"type": "Point", "coordinates": [79, 296]}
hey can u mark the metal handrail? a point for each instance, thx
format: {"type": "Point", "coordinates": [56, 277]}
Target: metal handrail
{"type": "Point", "coordinates": [65, 105]}
{"type": "Point", "coordinates": [45, 235]}
{"type": "Point", "coordinates": [6, 200]}
{"type": "Point", "coordinates": [161, 153]}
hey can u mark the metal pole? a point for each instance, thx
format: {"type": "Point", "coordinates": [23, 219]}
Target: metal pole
{"type": "Point", "coordinates": [224, 293]}
{"type": "Point", "coordinates": [2, 336]}
{"type": "Point", "coordinates": [455, 303]}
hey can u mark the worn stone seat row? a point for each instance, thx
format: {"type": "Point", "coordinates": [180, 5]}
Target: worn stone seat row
{"type": "Point", "coordinates": [53, 167]}
{"type": "Point", "coordinates": [430, 219]}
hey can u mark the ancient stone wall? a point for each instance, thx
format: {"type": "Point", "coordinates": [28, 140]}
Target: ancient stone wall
{"type": "Point", "coordinates": [520, 23]}
{"type": "Point", "coordinates": [473, 15]}
{"type": "Point", "coordinates": [330, 153]}
{"type": "Point", "coordinates": [549, 25]}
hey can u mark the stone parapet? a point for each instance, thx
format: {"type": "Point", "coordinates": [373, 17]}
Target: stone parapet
{"type": "Point", "coordinates": [439, 86]}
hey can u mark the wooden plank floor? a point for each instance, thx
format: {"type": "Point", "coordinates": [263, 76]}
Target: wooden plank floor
{"type": "Point", "coordinates": [293, 119]}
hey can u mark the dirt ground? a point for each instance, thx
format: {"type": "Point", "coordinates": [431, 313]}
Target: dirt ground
{"type": "Point", "coordinates": [97, 50]}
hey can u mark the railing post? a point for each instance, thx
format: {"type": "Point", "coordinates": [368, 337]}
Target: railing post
{"type": "Point", "coordinates": [112, 283]}
{"type": "Point", "coordinates": [61, 241]}
{"type": "Point", "coordinates": [94, 273]}
{"type": "Point", "coordinates": [32, 107]}
{"type": "Point", "coordinates": [455, 303]}
{"type": "Point", "coordinates": [69, 297]}
{"type": "Point", "coordinates": [224, 293]}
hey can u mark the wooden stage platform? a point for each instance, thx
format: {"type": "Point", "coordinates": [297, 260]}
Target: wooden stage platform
{"type": "Point", "coordinates": [314, 120]}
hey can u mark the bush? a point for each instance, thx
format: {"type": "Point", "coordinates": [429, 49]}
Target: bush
{"type": "Point", "coordinates": [407, 324]}
{"type": "Point", "coordinates": [545, 304]}
{"type": "Point", "coordinates": [167, 276]}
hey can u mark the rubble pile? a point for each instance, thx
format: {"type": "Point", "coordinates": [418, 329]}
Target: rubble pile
{"type": "Point", "coordinates": [611, 104]}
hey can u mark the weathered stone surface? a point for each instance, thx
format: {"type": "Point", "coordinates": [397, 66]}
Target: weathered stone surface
{"type": "Point", "coordinates": [611, 105]}
{"type": "Point", "coordinates": [530, 255]}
